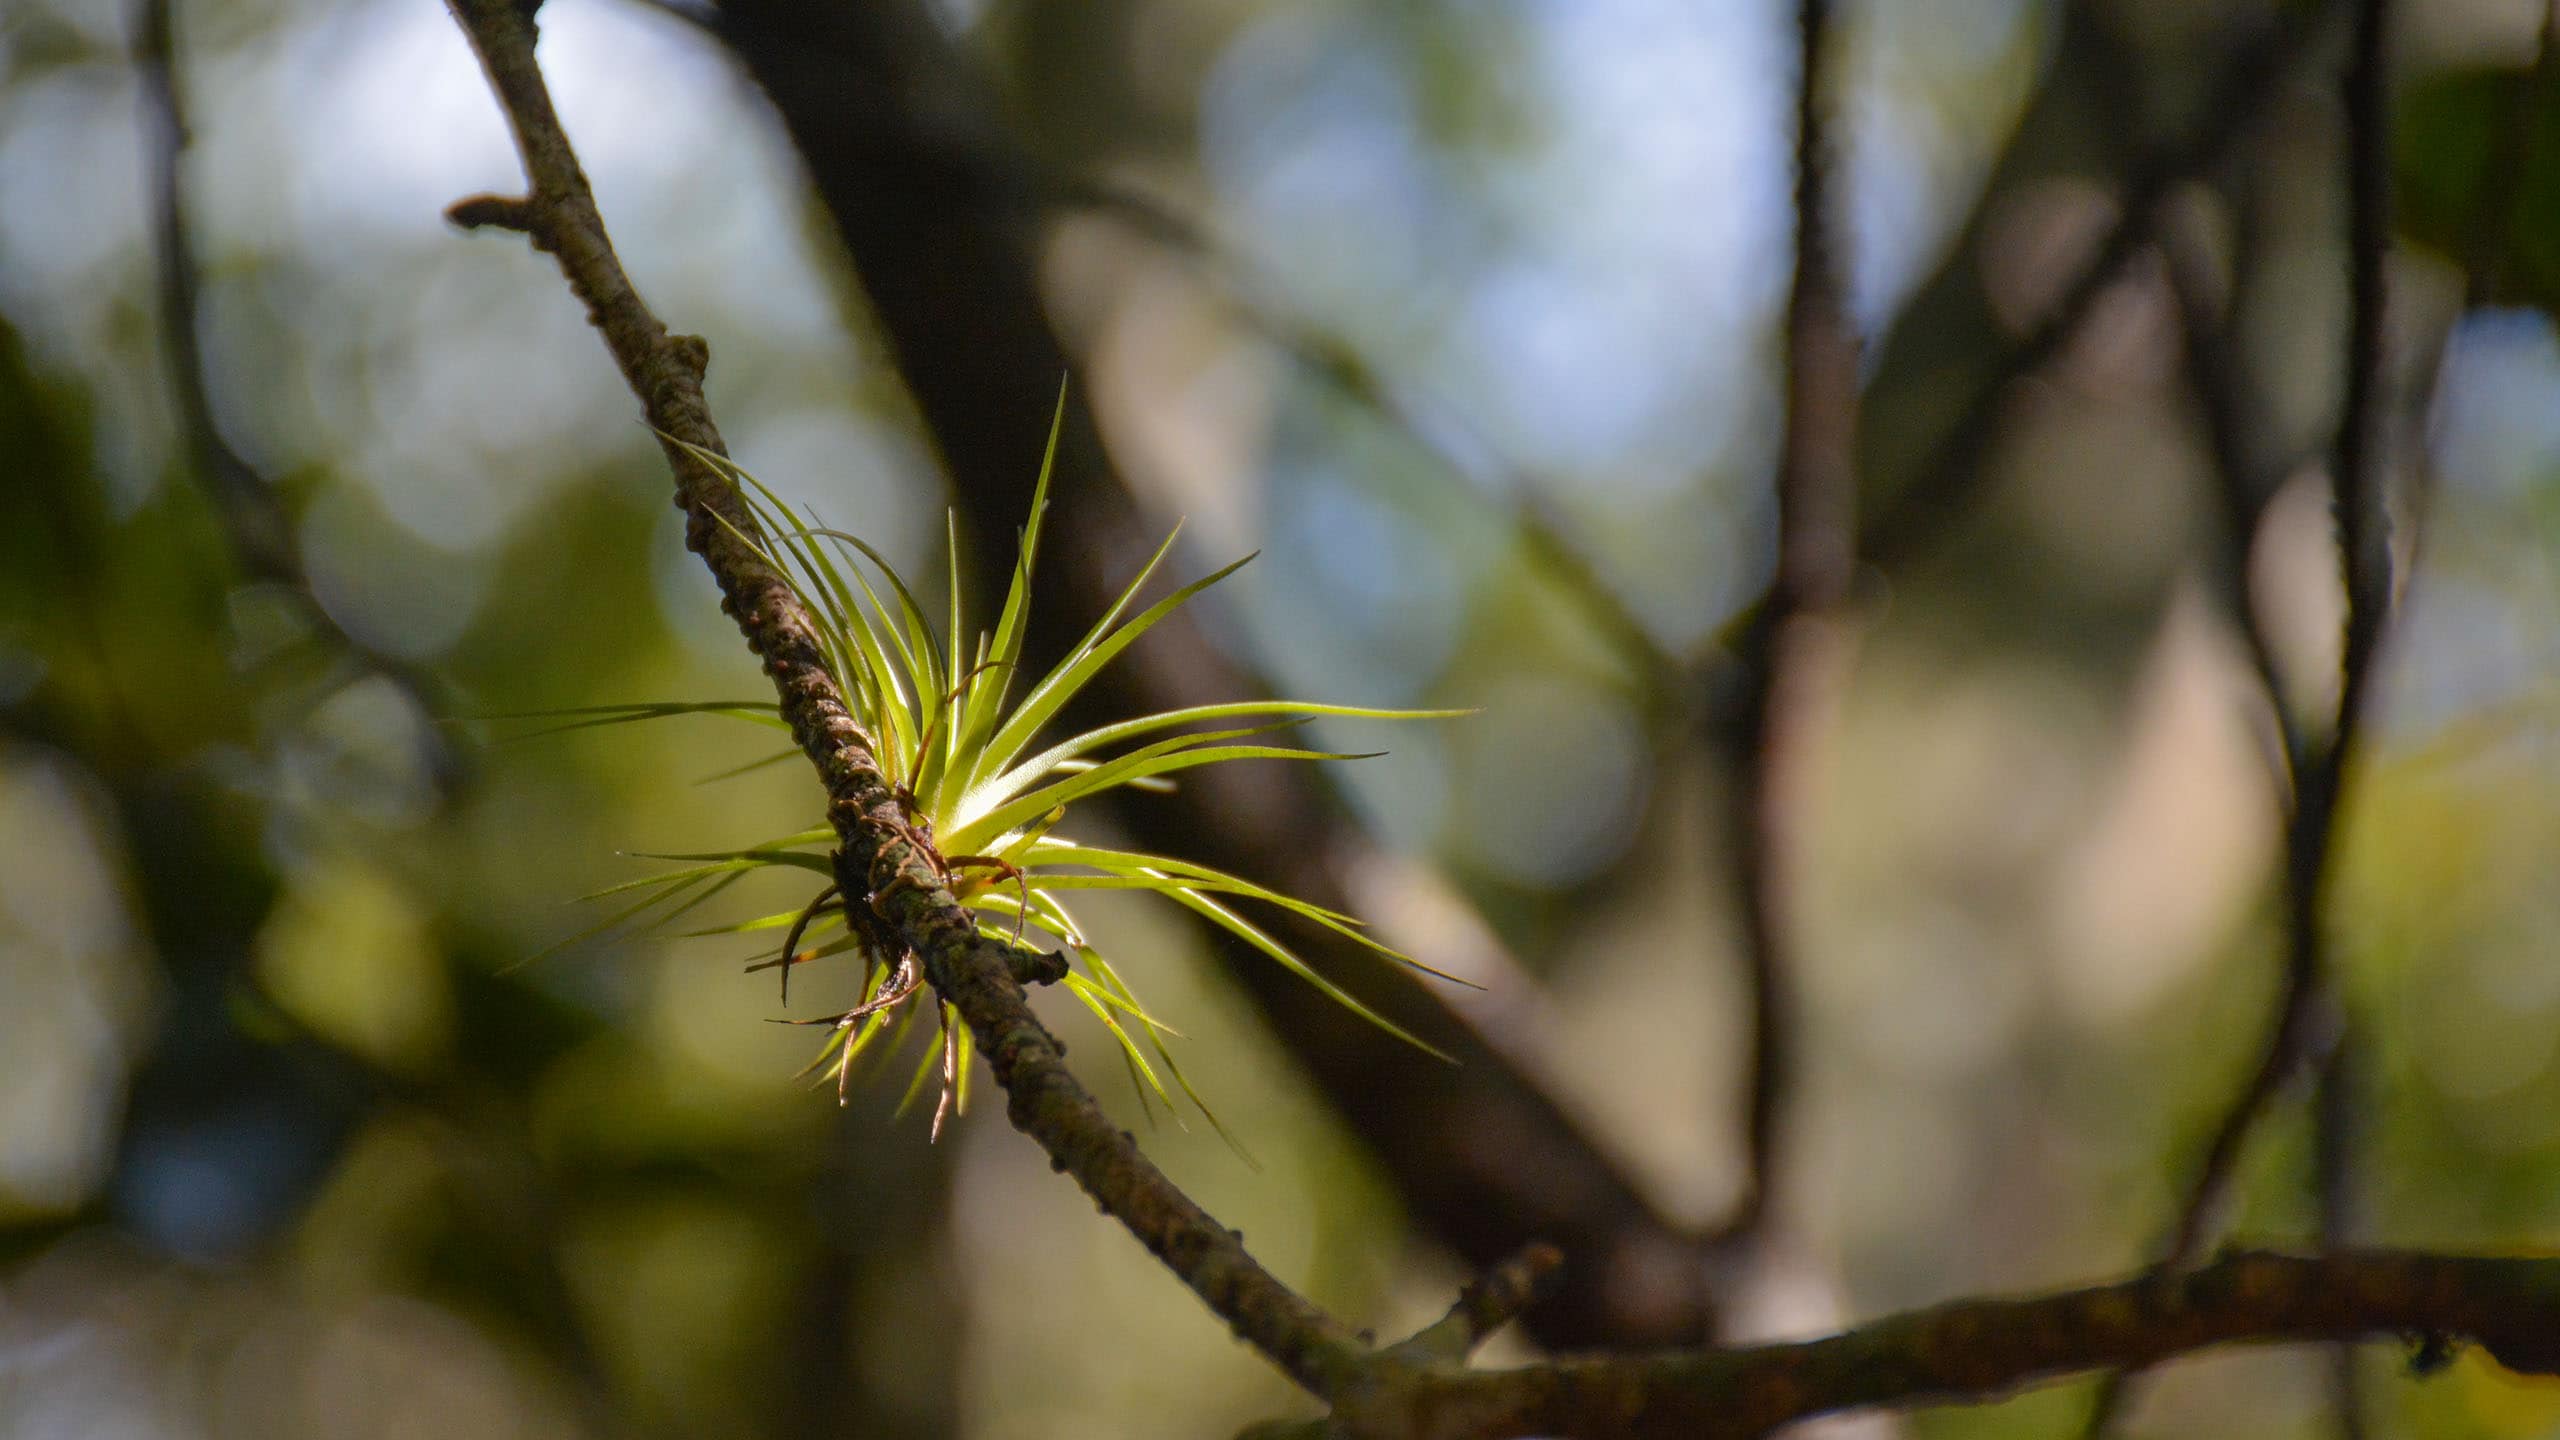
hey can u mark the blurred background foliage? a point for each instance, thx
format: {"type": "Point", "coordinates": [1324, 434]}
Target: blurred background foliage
{"type": "Point", "coordinates": [292, 1143]}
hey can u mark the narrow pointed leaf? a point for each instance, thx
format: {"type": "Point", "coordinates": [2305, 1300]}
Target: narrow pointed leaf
{"type": "Point", "coordinates": [1063, 683]}
{"type": "Point", "coordinates": [1099, 1001]}
{"type": "Point", "coordinates": [1246, 931]}
{"type": "Point", "coordinates": [978, 834]}
{"type": "Point", "coordinates": [734, 771]}
{"type": "Point", "coordinates": [1070, 752]}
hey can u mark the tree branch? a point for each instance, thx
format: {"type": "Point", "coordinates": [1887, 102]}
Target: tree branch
{"type": "Point", "coordinates": [2364, 543]}
{"type": "Point", "coordinates": [1819, 543]}
{"type": "Point", "coordinates": [1489, 1302]}
{"type": "Point", "coordinates": [973, 976]}
{"type": "Point", "coordinates": [2310, 1021]}
{"type": "Point", "coordinates": [2306, 1025]}
{"type": "Point", "coordinates": [1973, 1350]}
{"type": "Point", "coordinates": [1781, 677]}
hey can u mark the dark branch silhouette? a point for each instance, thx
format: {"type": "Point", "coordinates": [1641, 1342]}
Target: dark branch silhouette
{"type": "Point", "coordinates": [2309, 1025]}
{"type": "Point", "coordinates": [1782, 656]}
{"type": "Point", "coordinates": [1973, 1350]}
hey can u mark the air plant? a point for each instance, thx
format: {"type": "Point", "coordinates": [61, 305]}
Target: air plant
{"type": "Point", "coordinates": [958, 736]}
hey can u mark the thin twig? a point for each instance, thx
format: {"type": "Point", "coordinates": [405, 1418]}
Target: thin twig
{"type": "Point", "coordinates": [2364, 517]}
{"type": "Point", "coordinates": [2309, 1017]}
{"type": "Point", "coordinates": [2305, 1025]}
{"type": "Point", "coordinates": [2303, 1028]}
{"type": "Point", "coordinates": [2244, 489]}
{"type": "Point", "coordinates": [1489, 1302]}
{"type": "Point", "coordinates": [1817, 536]}
{"type": "Point", "coordinates": [2360, 482]}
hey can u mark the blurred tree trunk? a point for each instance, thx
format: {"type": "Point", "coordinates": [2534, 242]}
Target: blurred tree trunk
{"type": "Point", "coordinates": [940, 215]}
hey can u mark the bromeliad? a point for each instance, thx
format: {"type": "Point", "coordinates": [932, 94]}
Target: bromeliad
{"type": "Point", "coordinates": [954, 731]}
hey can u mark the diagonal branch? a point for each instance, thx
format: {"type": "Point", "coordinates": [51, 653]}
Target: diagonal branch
{"type": "Point", "coordinates": [972, 975]}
